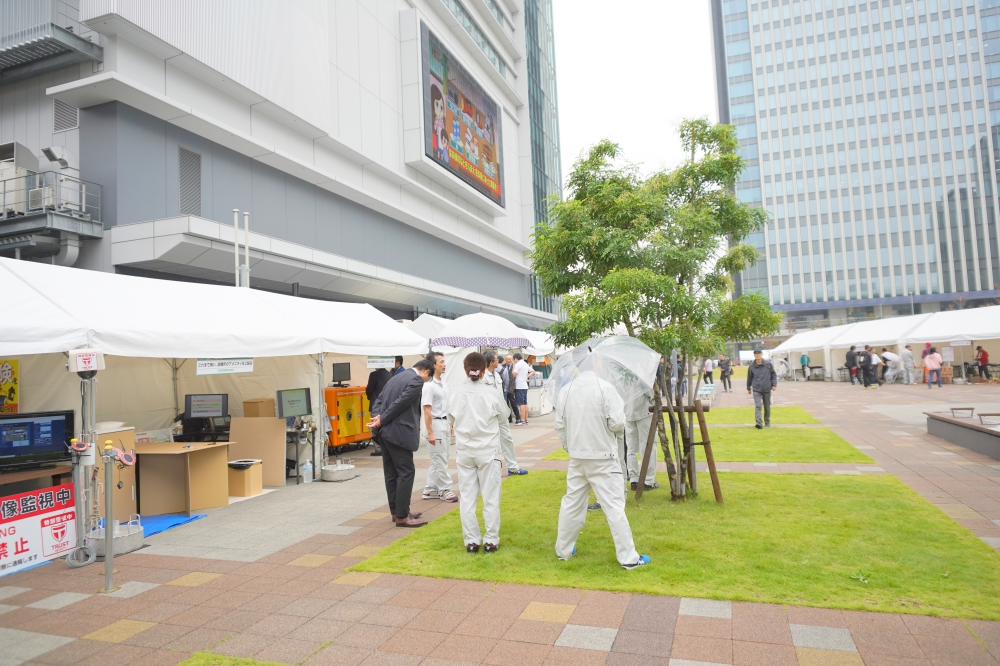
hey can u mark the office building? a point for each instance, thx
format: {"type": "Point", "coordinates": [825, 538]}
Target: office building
{"type": "Point", "coordinates": [869, 139]}
{"type": "Point", "coordinates": [396, 152]}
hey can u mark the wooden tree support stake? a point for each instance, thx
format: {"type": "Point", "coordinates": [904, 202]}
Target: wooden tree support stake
{"type": "Point", "coordinates": [706, 442]}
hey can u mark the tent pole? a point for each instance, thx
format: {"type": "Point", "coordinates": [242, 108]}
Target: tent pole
{"type": "Point", "coordinates": [246, 249]}
{"type": "Point", "coordinates": [322, 422]}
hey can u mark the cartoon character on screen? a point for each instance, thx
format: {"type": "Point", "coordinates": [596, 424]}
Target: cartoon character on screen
{"type": "Point", "coordinates": [437, 105]}
{"type": "Point", "coordinates": [442, 146]}
{"type": "Point", "coordinates": [456, 136]}
{"type": "Point", "coordinates": [471, 148]}
{"type": "Point", "coordinates": [488, 129]}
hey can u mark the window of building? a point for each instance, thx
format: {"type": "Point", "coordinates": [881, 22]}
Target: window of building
{"type": "Point", "coordinates": [477, 34]}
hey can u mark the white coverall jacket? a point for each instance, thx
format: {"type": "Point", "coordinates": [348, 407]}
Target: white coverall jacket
{"type": "Point", "coordinates": [589, 417]}
{"type": "Point", "coordinates": [479, 416]}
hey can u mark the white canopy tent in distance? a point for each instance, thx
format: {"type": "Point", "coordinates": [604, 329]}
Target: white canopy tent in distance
{"type": "Point", "coordinates": [976, 326]}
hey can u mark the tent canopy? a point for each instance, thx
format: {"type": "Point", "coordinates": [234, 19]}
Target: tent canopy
{"type": "Point", "coordinates": [428, 326]}
{"type": "Point", "coordinates": [947, 326]}
{"type": "Point", "coordinates": [53, 309]}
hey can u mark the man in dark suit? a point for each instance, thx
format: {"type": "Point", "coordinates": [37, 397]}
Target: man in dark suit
{"type": "Point", "coordinates": [396, 415]}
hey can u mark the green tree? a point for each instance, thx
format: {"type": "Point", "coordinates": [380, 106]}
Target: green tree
{"type": "Point", "coordinates": [655, 255]}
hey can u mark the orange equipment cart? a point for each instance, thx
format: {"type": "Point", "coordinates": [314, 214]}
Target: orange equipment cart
{"type": "Point", "coordinates": [348, 410]}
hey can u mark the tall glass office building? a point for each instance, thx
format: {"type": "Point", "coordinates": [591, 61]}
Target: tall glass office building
{"type": "Point", "coordinates": [870, 140]}
{"type": "Point", "coordinates": [546, 166]}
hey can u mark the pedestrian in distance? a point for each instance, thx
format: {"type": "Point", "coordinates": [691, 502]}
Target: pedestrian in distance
{"type": "Point", "coordinates": [933, 363]}
{"type": "Point", "coordinates": [397, 365]}
{"type": "Point", "coordinates": [522, 372]}
{"type": "Point", "coordinates": [709, 367]}
{"type": "Point", "coordinates": [434, 403]}
{"type": "Point", "coordinates": [495, 379]}
{"type": "Point", "coordinates": [762, 380]}
{"type": "Point", "coordinates": [478, 414]}
{"type": "Point", "coordinates": [638, 419]}
{"type": "Point", "coordinates": [852, 364]}
{"type": "Point", "coordinates": [804, 361]}
{"type": "Point", "coordinates": [508, 387]}
{"type": "Point", "coordinates": [589, 417]}
{"type": "Point", "coordinates": [893, 364]}
{"type": "Point", "coordinates": [396, 424]}
{"type": "Point", "coordinates": [876, 362]}
{"type": "Point", "coordinates": [983, 360]}
{"type": "Point", "coordinates": [908, 370]}
{"type": "Point", "coordinates": [865, 365]}
{"type": "Point", "coordinates": [726, 373]}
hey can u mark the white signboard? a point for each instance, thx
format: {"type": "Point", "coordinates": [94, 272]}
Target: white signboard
{"type": "Point", "coordinates": [947, 354]}
{"type": "Point", "coordinates": [224, 366]}
{"type": "Point", "coordinates": [381, 362]}
{"type": "Point", "coordinates": [962, 343]}
{"type": "Point", "coordinates": [36, 526]}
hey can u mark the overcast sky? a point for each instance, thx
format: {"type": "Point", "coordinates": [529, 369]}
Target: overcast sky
{"type": "Point", "coordinates": [630, 71]}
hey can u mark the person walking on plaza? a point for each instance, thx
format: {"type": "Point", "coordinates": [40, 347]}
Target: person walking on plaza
{"type": "Point", "coordinates": [933, 363]}
{"type": "Point", "coordinates": [494, 379]}
{"type": "Point", "coordinates": [396, 424]}
{"type": "Point", "coordinates": [865, 365]}
{"type": "Point", "coordinates": [726, 373]}
{"type": "Point", "coordinates": [522, 373]}
{"type": "Point", "coordinates": [892, 364]}
{"type": "Point", "coordinates": [761, 381]}
{"type": "Point", "coordinates": [709, 367]}
{"type": "Point", "coordinates": [983, 359]}
{"type": "Point", "coordinates": [804, 362]}
{"type": "Point", "coordinates": [478, 414]}
{"type": "Point", "coordinates": [434, 403]}
{"type": "Point", "coordinates": [907, 356]}
{"type": "Point", "coordinates": [589, 417]}
{"type": "Point", "coordinates": [508, 387]}
{"type": "Point", "coordinates": [876, 361]}
{"type": "Point", "coordinates": [637, 421]}
{"type": "Point", "coordinates": [852, 364]}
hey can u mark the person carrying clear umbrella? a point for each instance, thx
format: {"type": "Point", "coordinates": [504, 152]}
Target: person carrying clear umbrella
{"type": "Point", "coordinates": [590, 414]}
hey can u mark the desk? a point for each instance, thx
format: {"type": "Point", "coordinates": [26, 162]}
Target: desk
{"type": "Point", "coordinates": [175, 477]}
{"type": "Point", "coordinates": [56, 473]}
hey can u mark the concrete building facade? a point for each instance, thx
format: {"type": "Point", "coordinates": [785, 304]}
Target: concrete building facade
{"type": "Point", "coordinates": [869, 138]}
{"type": "Point", "coordinates": [138, 127]}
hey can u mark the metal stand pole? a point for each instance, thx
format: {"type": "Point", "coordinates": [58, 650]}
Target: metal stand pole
{"type": "Point", "coordinates": [109, 530]}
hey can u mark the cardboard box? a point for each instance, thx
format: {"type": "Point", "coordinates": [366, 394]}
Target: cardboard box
{"type": "Point", "coordinates": [247, 482]}
{"type": "Point", "coordinates": [259, 407]}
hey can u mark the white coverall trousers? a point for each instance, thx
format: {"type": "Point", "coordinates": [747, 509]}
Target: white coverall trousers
{"type": "Point", "coordinates": [507, 448]}
{"type": "Point", "coordinates": [480, 475]}
{"type": "Point", "coordinates": [439, 481]}
{"type": "Point", "coordinates": [636, 433]}
{"type": "Point", "coordinates": [604, 477]}
{"type": "Point", "coordinates": [908, 373]}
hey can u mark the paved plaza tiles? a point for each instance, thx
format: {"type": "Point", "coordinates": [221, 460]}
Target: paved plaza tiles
{"type": "Point", "coordinates": [266, 578]}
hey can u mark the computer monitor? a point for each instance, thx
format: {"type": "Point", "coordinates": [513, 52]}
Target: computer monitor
{"type": "Point", "coordinates": [33, 438]}
{"type": "Point", "coordinates": [206, 405]}
{"type": "Point", "coordinates": [294, 402]}
{"type": "Point", "coordinates": [341, 372]}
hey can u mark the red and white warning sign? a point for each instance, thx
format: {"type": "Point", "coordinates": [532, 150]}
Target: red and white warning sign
{"type": "Point", "coordinates": [36, 526]}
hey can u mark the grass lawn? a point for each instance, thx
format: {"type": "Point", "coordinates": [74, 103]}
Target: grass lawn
{"type": "Point", "coordinates": [858, 542]}
{"type": "Point", "coordinates": [782, 445]}
{"type": "Point", "coordinates": [788, 415]}
{"type": "Point", "coordinates": [773, 445]}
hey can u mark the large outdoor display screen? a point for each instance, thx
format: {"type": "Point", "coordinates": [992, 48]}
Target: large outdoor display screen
{"type": "Point", "coordinates": [461, 122]}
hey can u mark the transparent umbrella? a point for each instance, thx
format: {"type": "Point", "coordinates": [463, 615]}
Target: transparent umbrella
{"type": "Point", "coordinates": [622, 361]}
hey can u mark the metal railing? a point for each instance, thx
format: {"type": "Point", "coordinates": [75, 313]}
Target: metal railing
{"type": "Point", "coordinates": [36, 193]}
{"type": "Point", "coordinates": [23, 21]}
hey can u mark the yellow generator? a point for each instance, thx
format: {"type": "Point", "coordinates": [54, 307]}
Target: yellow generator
{"type": "Point", "coordinates": [348, 411]}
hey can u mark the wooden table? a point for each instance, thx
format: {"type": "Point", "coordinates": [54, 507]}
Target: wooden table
{"type": "Point", "coordinates": [182, 477]}
{"type": "Point", "coordinates": [56, 473]}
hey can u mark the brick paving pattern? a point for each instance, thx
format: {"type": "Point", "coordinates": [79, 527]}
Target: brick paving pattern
{"type": "Point", "coordinates": [299, 605]}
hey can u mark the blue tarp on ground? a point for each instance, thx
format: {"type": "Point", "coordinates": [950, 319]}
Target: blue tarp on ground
{"type": "Point", "coordinates": [155, 524]}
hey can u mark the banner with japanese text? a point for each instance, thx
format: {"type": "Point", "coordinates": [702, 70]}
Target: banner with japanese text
{"type": "Point", "coordinates": [36, 526]}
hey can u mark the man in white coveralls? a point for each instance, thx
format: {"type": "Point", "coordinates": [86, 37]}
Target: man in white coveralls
{"type": "Point", "coordinates": [589, 415]}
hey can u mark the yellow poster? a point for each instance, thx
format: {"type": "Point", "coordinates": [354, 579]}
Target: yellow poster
{"type": "Point", "coordinates": [8, 386]}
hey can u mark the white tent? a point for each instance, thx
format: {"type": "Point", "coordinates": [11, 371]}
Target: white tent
{"type": "Point", "coordinates": [427, 326]}
{"type": "Point", "coordinates": [959, 326]}
{"type": "Point", "coordinates": [811, 340]}
{"type": "Point", "coordinates": [54, 309]}
{"type": "Point", "coordinates": [542, 344]}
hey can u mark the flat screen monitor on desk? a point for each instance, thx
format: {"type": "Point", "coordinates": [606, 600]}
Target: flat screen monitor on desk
{"type": "Point", "coordinates": [35, 438]}
{"type": "Point", "coordinates": [341, 372]}
{"type": "Point", "coordinates": [294, 402]}
{"type": "Point", "coordinates": [206, 405]}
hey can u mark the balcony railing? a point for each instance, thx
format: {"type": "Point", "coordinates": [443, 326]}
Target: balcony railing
{"type": "Point", "coordinates": [49, 191]}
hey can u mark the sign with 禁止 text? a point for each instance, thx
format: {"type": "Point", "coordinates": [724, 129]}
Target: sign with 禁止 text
{"type": "Point", "coordinates": [224, 366]}
{"type": "Point", "coordinates": [36, 526]}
